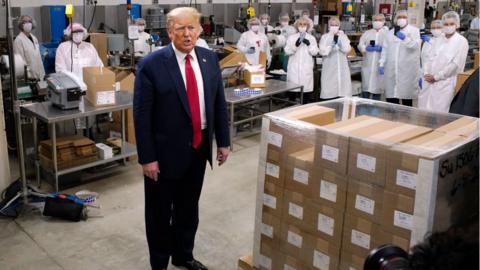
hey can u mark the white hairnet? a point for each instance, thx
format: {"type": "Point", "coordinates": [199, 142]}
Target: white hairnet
{"type": "Point", "coordinates": [251, 21]}
{"type": "Point", "coordinates": [75, 27]}
{"type": "Point", "coordinates": [334, 19]}
{"type": "Point", "coordinates": [400, 12]}
{"type": "Point", "coordinates": [303, 19]}
{"type": "Point", "coordinates": [265, 16]}
{"type": "Point", "coordinates": [379, 15]}
{"type": "Point", "coordinates": [283, 14]}
{"type": "Point", "coordinates": [26, 18]}
{"type": "Point", "coordinates": [439, 22]}
{"type": "Point", "coordinates": [451, 15]}
{"type": "Point", "coordinates": [140, 21]}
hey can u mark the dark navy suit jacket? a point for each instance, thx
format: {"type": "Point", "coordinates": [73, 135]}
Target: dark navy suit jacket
{"type": "Point", "coordinates": [163, 125]}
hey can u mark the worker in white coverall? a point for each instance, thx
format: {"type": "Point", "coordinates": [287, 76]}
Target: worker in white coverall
{"type": "Point", "coordinates": [75, 54]}
{"type": "Point", "coordinates": [26, 45]}
{"type": "Point", "coordinates": [442, 61]}
{"type": "Point", "coordinates": [334, 48]}
{"type": "Point", "coordinates": [400, 61]}
{"type": "Point", "coordinates": [301, 47]}
{"type": "Point", "coordinates": [253, 42]}
{"type": "Point", "coordinates": [286, 30]}
{"type": "Point", "coordinates": [265, 26]}
{"type": "Point", "coordinates": [141, 45]}
{"type": "Point", "coordinates": [371, 45]}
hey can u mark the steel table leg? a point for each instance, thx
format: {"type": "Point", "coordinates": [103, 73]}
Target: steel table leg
{"type": "Point", "coordinates": [54, 155]}
{"type": "Point", "coordinates": [35, 150]}
{"type": "Point", "coordinates": [232, 124]}
{"type": "Point", "coordinates": [124, 138]}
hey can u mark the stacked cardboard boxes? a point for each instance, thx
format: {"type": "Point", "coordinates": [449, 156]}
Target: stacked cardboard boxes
{"type": "Point", "coordinates": [71, 151]}
{"type": "Point", "coordinates": [335, 190]}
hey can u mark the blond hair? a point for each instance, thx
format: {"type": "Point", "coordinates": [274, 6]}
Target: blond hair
{"type": "Point", "coordinates": [182, 12]}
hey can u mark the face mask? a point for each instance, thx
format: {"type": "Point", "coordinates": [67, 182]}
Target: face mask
{"type": "Point", "coordinates": [377, 25]}
{"type": "Point", "coordinates": [402, 22]}
{"type": "Point", "coordinates": [141, 28]}
{"type": "Point", "coordinates": [254, 28]}
{"type": "Point", "coordinates": [302, 29]}
{"type": "Point", "coordinates": [27, 27]}
{"type": "Point", "coordinates": [334, 29]}
{"type": "Point", "coordinates": [77, 37]}
{"type": "Point", "coordinates": [264, 22]}
{"type": "Point", "coordinates": [449, 30]}
{"type": "Point", "coordinates": [284, 23]}
{"type": "Point", "coordinates": [436, 32]}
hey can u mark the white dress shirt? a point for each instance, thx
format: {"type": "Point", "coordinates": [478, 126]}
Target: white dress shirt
{"type": "Point", "coordinates": [198, 76]}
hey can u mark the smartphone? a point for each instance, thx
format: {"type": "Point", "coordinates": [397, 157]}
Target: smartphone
{"type": "Point", "coordinates": [372, 43]}
{"type": "Point", "coordinates": [396, 29]}
{"type": "Point", "coordinates": [335, 38]}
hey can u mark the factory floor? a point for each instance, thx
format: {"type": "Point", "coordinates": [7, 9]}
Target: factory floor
{"type": "Point", "coordinates": [117, 240]}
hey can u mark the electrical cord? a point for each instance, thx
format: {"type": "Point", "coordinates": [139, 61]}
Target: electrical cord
{"type": "Point", "coordinates": [93, 15]}
{"type": "Point", "coordinates": [71, 45]}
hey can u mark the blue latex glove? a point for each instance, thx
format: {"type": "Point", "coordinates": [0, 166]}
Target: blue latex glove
{"type": "Point", "coordinates": [377, 48]}
{"type": "Point", "coordinates": [401, 35]}
{"type": "Point", "coordinates": [381, 70]}
{"type": "Point", "coordinates": [420, 83]}
{"type": "Point", "coordinates": [370, 48]}
{"type": "Point", "coordinates": [250, 50]}
{"type": "Point", "coordinates": [425, 38]}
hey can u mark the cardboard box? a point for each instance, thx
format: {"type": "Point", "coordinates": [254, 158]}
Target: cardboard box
{"type": "Point", "coordinates": [294, 209]}
{"type": "Point", "coordinates": [275, 173]}
{"type": "Point", "coordinates": [272, 199]}
{"type": "Point", "coordinates": [398, 214]}
{"type": "Point", "coordinates": [465, 127]}
{"type": "Point", "coordinates": [476, 60]}
{"type": "Point", "coordinates": [254, 79]}
{"type": "Point", "coordinates": [359, 235]}
{"type": "Point", "coordinates": [385, 237]}
{"type": "Point", "coordinates": [324, 222]}
{"type": "Point", "coordinates": [299, 171]}
{"type": "Point", "coordinates": [99, 41]}
{"type": "Point", "coordinates": [270, 229]}
{"type": "Point", "coordinates": [329, 188]}
{"type": "Point", "coordinates": [349, 261]}
{"type": "Point", "coordinates": [293, 263]}
{"type": "Point", "coordinates": [364, 200]}
{"type": "Point", "coordinates": [69, 148]}
{"type": "Point", "coordinates": [100, 86]}
{"type": "Point", "coordinates": [317, 115]}
{"type": "Point", "coordinates": [234, 58]}
{"type": "Point", "coordinates": [293, 240]}
{"type": "Point", "coordinates": [270, 258]}
{"type": "Point", "coordinates": [246, 263]}
{"type": "Point", "coordinates": [461, 78]}
{"type": "Point", "coordinates": [321, 254]}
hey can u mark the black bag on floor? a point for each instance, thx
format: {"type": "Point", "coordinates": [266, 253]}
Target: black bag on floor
{"type": "Point", "coordinates": [63, 208]}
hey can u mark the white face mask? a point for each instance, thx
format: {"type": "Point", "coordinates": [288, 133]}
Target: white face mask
{"type": "Point", "coordinates": [449, 30]}
{"type": "Point", "coordinates": [437, 32]}
{"type": "Point", "coordinates": [284, 23]}
{"type": "Point", "coordinates": [27, 27]}
{"type": "Point", "coordinates": [334, 29]}
{"type": "Point", "coordinates": [255, 28]}
{"type": "Point", "coordinates": [77, 37]}
{"type": "Point", "coordinates": [377, 25]}
{"type": "Point", "coordinates": [402, 22]}
{"type": "Point", "coordinates": [264, 22]}
{"type": "Point", "coordinates": [302, 29]}
{"type": "Point", "coordinates": [141, 28]}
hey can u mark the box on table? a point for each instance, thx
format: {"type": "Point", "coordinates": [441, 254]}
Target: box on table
{"type": "Point", "coordinates": [271, 229]}
{"type": "Point", "coordinates": [294, 209]}
{"type": "Point", "coordinates": [69, 148]}
{"type": "Point", "coordinates": [329, 188]}
{"type": "Point", "coordinates": [99, 41]}
{"type": "Point", "coordinates": [246, 263]}
{"type": "Point", "coordinates": [324, 222]}
{"type": "Point", "coordinates": [272, 199]}
{"type": "Point", "coordinates": [349, 261]}
{"type": "Point", "coordinates": [100, 83]}
{"type": "Point", "coordinates": [321, 254]}
{"type": "Point", "coordinates": [270, 258]}
{"type": "Point", "coordinates": [104, 151]}
{"type": "Point", "coordinates": [234, 58]}
{"type": "Point", "coordinates": [299, 171]}
{"type": "Point", "coordinates": [465, 126]}
{"type": "Point", "coordinates": [254, 78]}
{"type": "Point", "coordinates": [364, 200]}
{"type": "Point", "coordinates": [359, 235]}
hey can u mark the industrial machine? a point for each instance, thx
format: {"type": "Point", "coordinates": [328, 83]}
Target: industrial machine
{"type": "Point", "coordinates": [65, 91]}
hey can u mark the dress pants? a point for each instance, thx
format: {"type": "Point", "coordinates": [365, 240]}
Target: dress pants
{"type": "Point", "coordinates": [406, 102]}
{"type": "Point", "coordinates": [171, 211]}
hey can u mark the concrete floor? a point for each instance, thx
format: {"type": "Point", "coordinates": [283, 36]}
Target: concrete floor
{"type": "Point", "coordinates": [117, 240]}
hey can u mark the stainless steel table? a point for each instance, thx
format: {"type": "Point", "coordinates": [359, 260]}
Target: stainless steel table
{"type": "Point", "coordinates": [273, 87]}
{"type": "Point", "coordinates": [45, 112]}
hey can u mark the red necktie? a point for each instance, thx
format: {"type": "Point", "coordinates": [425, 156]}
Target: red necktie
{"type": "Point", "coordinates": [192, 93]}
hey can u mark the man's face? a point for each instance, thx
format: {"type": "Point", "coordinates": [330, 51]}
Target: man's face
{"type": "Point", "coordinates": [450, 22]}
{"type": "Point", "coordinates": [184, 33]}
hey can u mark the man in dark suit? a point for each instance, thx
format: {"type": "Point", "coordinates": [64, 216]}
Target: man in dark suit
{"type": "Point", "coordinates": [179, 104]}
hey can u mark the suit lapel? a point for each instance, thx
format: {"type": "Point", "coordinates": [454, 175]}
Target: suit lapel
{"type": "Point", "coordinates": [202, 62]}
{"type": "Point", "coordinates": [177, 79]}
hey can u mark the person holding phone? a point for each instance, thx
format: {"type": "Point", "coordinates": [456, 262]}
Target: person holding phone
{"type": "Point", "coordinates": [371, 45]}
{"type": "Point", "coordinates": [252, 42]}
{"type": "Point", "coordinates": [334, 48]}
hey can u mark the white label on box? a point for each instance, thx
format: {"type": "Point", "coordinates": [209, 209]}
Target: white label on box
{"type": "Point", "coordinates": [257, 78]}
{"type": "Point", "coordinates": [270, 201]}
{"type": "Point", "coordinates": [295, 210]}
{"type": "Point", "coordinates": [273, 170]}
{"type": "Point", "coordinates": [365, 204]}
{"type": "Point", "coordinates": [300, 176]}
{"type": "Point", "coordinates": [321, 260]}
{"type": "Point", "coordinates": [288, 267]}
{"type": "Point", "coordinates": [274, 138]}
{"type": "Point", "coordinates": [265, 262]}
{"type": "Point", "coordinates": [402, 220]}
{"type": "Point", "coordinates": [328, 191]}
{"type": "Point", "coordinates": [330, 153]}
{"type": "Point", "coordinates": [267, 230]}
{"type": "Point", "coordinates": [295, 239]}
{"type": "Point", "coordinates": [326, 224]}
{"type": "Point", "coordinates": [360, 239]}
{"type": "Point", "coordinates": [366, 162]}
{"type": "Point", "coordinates": [105, 97]}
{"type": "Point", "coordinates": [407, 179]}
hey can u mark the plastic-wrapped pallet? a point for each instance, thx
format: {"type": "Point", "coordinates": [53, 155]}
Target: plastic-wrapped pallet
{"type": "Point", "coordinates": [337, 179]}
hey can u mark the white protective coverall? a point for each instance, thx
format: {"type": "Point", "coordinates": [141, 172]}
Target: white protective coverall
{"type": "Point", "coordinates": [335, 80]}
{"type": "Point", "coordinates": [202, 43]}
{"type": "Point", "coordinates": [300, 61]}
{"type": "Point", "coordinates": [257, 40]}
{"type": "Point", "coordinates": [401, 60]}
{"type": "Point", "coordinates": [444, 59]}
{"type": "Point", "coordinates": [30, 52]}
{"type": "Point", "coordinates": [142, 48]}
{"type": "Point", "coordinates": [372, 81]}
{"type": "Point", "coordinates": [84, 55]}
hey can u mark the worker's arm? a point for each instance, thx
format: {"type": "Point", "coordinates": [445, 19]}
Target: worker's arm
{"type": "Point", "coordinates": [18, 48]}
{"type": "Point", "coordinates": [290, 48]}
{"type": "Point", "coordinates": [362, 44]}
{"type": "Point", "coordinates": [313, 47]}
{"type": "Point", "coordinates": [325, 45]}
{"type": "Point", "coordinates": [454, 66]}
{"type": "Point", "coordinates": [412, 40]}
{"type": "Point", "coordinates": [242, 43]}
{"type": "Point", "coordinates": [266, 47]}
{"type": "Point", "coordinates": [345, 44]}
{"type": "Point", "coordinates": [383, 54]}
{"type": "Point", "coordinates": [60, 62]}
